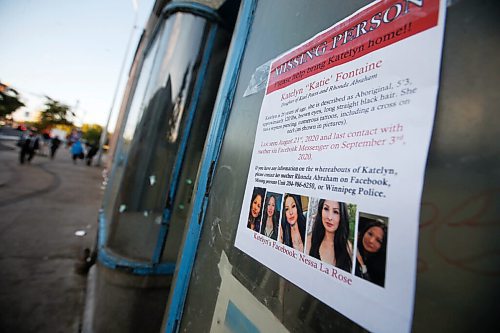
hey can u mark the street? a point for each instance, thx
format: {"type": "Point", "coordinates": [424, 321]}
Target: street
{"type": "Point", "coordinates": [48, 216]}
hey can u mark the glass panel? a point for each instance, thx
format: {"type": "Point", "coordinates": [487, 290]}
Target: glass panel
{"type": "Point", "coordinates": [458, 240]}
{"type": "Point", "coordinates": [127, 130]}
{"type": "Point", "coordinates": [155, 137]}
{"type": "Point", "coordinates": [195, 144]}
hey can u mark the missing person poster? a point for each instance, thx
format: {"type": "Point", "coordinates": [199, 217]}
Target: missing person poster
{"type": "Point", "coordinates": [333, 192]}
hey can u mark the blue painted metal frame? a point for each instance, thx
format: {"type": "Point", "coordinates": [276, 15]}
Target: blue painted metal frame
{"type": "Point", "coordinates": [210, 156]}
{"type": "Point", "coordinates": [179, 161]}
{"type": "Point", "coordinates": [113, 261]}
{"type": "Point", "coordinates": [195, 8]}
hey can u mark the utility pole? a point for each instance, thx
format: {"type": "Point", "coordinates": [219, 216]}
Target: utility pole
{"type": "Point", "coordinates": [104, 132]}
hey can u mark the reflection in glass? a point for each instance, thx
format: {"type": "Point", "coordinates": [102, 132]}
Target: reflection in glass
{"type": "Point", "coordinates": [152, 135]}
{"type": "Point", "coordinates": [123, 145]}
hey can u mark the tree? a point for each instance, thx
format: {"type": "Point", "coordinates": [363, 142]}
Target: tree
{"type": "Point", "coordinates": [9, 100]}
{"type": "Point", "coordinates": [91, 133]}
{"type": "Point", "coordinates": [55, 113]}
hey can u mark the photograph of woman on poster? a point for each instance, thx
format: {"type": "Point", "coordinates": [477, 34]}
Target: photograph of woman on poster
{"type": "Point", "coordinates": [372, 243]}
{"type": "Point", "coordinates": [255, 208]}
{"type": "Point", "coordinates": [329, 238]}
{"type": "Point", "coordinates": [293, 223]}
{"type": "Point", "coordinates": [271, 216]}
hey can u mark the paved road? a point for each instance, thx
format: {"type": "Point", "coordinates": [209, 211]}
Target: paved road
{"type": "Point", "coordinates": [42, 205]}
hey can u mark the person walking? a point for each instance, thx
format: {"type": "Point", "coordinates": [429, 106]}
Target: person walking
{"type": "Point", "coordinates": [92, 149]}
{"type": "Point", "coordinates": [29, 144]}
{"type": "Point", "coordinates": [54, 145]}
{"type": "Point", "coordinates": [77, 151]}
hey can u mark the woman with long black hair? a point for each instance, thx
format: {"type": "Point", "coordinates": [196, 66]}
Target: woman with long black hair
{"type": "Point", "coordinates": [270, 220]}
{"type": "Point", "coordinates": [329, 239]}
{"type": "Point", "coordinates": [255, 209]}
{"type": "Point", "coordinates": [293, 223]}
{"type": "Point", "coordinates": [371, 256]}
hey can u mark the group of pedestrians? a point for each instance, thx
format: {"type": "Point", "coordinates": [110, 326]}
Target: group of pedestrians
{"type": "Point", "coordinates": [79, 152]}
{"type": "Point", "coordinates": [30, 142]}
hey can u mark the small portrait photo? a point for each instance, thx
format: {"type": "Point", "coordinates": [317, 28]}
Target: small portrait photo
{"type": "Point", "coordinates": [255, 212]}
{"type": "Point", "coordinates": [271, 215]}
{"type": "Point", "coordinates": [371, 248]}
{"type": "Point", "coordinates": [293, 221]}
{"type": "Point", "coordinates": [330, 232]}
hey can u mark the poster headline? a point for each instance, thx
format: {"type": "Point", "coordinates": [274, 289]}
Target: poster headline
{"type": "Point", "coordinates": [363, 33]}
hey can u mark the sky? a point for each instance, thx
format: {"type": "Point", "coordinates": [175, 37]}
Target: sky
{"type": "Point", "coordinates": [71, 51]}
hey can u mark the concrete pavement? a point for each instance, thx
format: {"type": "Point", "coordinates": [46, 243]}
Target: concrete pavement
{"type": "Point", "coordinates": [42, 206]}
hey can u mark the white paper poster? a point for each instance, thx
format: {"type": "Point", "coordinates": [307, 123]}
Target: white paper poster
{"type": "Point", "coordinates": [333, 192]}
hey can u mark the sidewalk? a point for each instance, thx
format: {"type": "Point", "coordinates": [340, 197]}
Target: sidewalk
{"type": "Point", "coordinates": [42, 206]}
